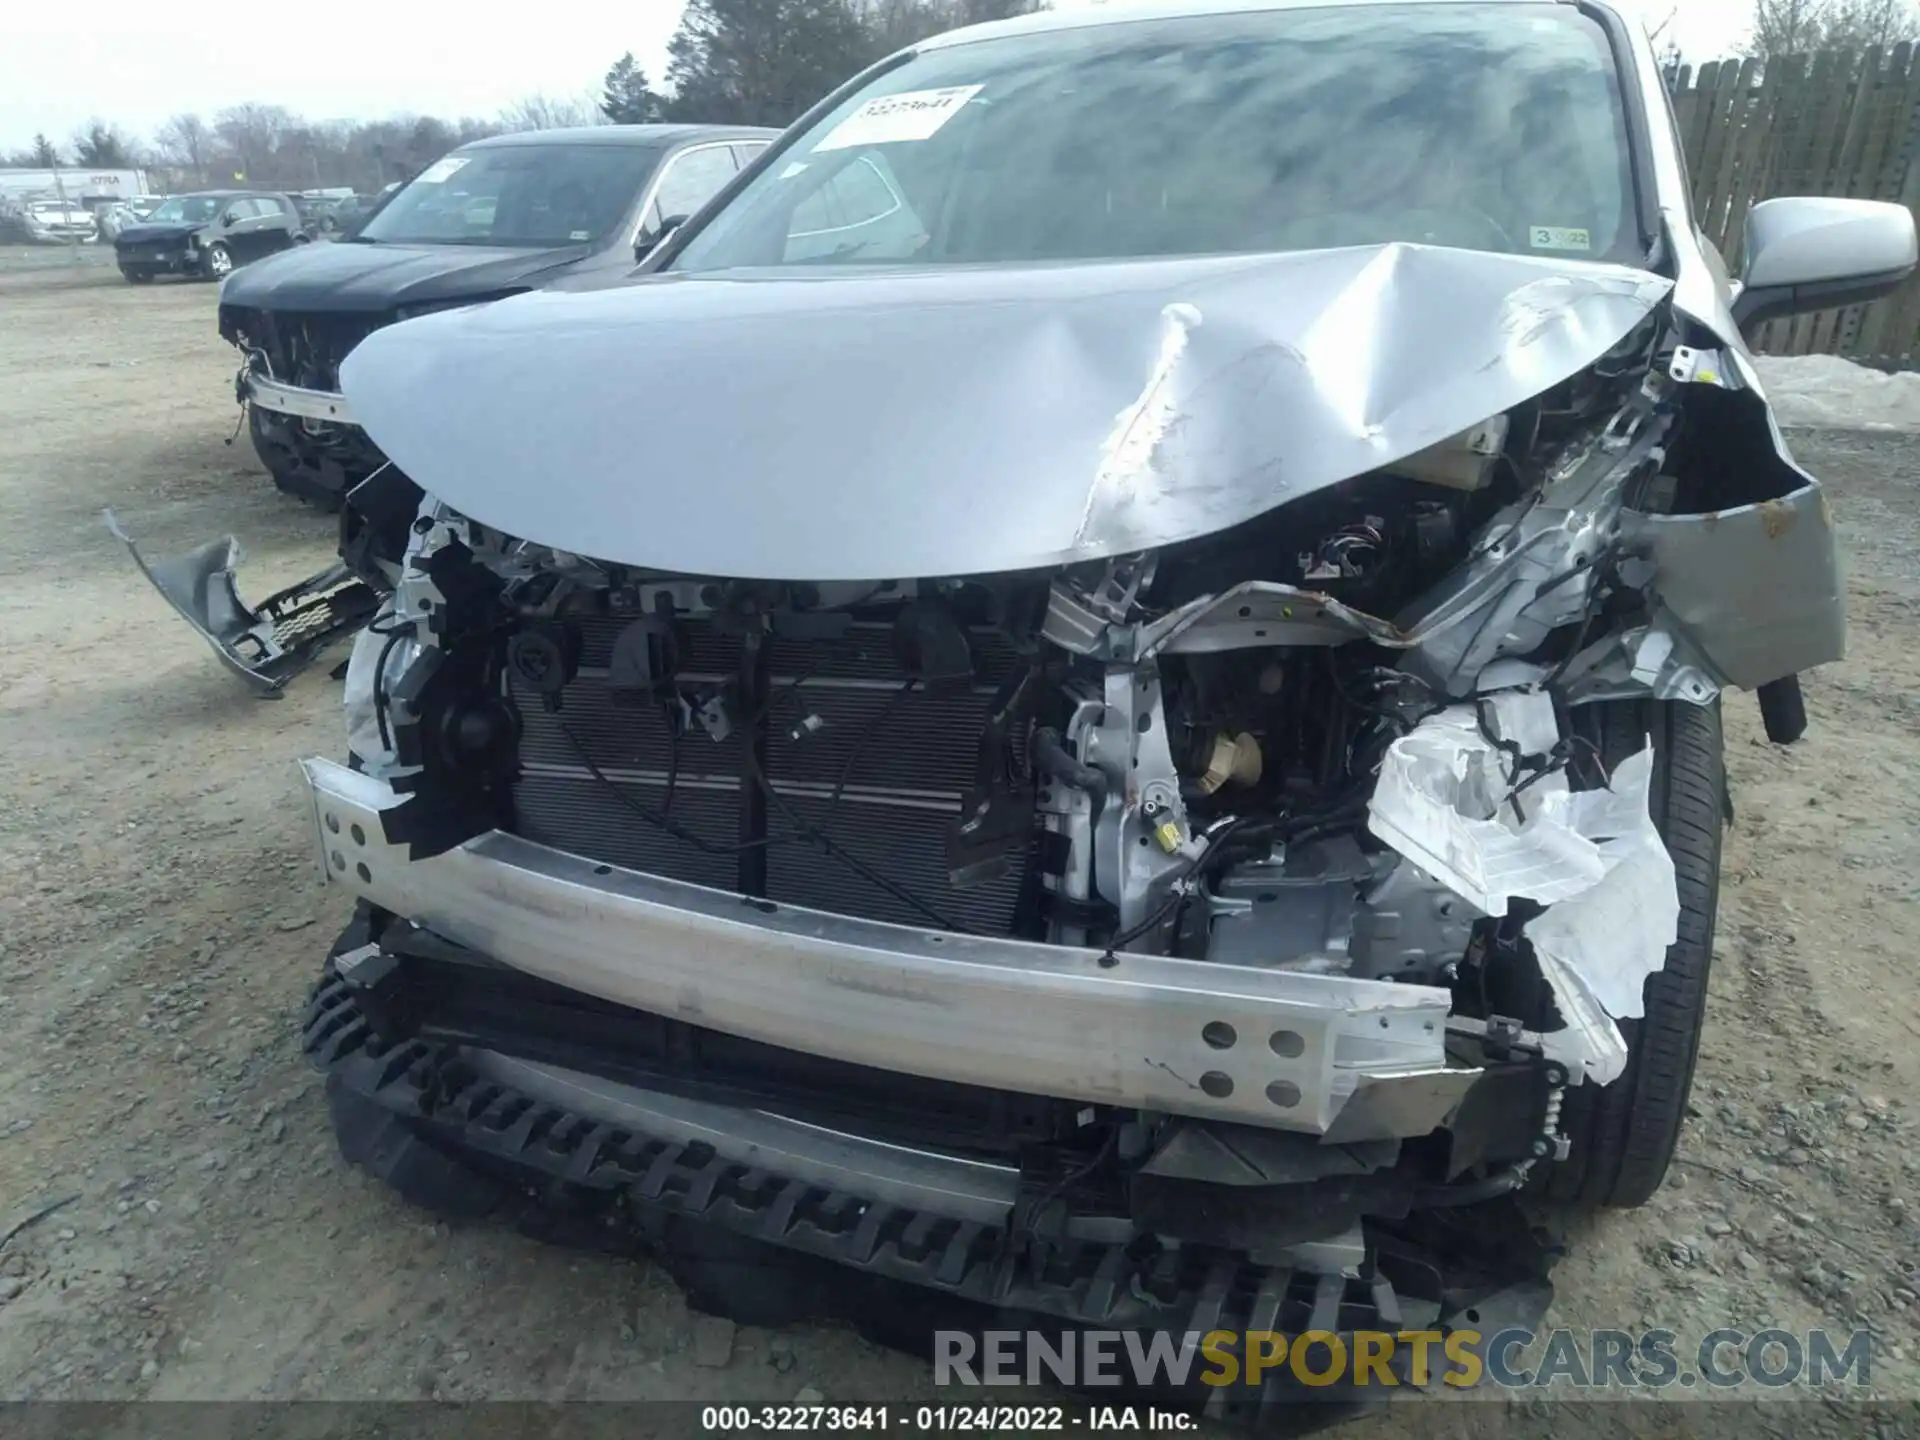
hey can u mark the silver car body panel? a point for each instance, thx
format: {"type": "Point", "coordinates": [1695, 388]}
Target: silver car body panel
{"type": "Point", "coordinates": [1319, 1054]}
{"type": "Point", "coordinates": [1721, 596]}
{"type": "Point", "coordinates": [961, 420]}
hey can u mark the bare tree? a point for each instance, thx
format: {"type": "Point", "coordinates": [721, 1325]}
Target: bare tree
{"type": "Point", "coordinates": [186, 143]}
{"type": "Point", "coordinates": [894, 24]}
{"type": "Point", "coordinates": [1798, 27]}
{"type": "Point", "coordinates": [252, 134]}
{"type": "Point", "coordinates": [1871, 24]}
{"type": "Point", "coordinates": [551, 112]}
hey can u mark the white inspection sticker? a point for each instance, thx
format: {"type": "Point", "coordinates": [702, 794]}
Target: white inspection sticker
{"type": "Point", "coordinates": [911, 115]}
{"type": "Point", "coordinates": [1559, 237]}
{"type": "Point", "coordinates": [441, 170]}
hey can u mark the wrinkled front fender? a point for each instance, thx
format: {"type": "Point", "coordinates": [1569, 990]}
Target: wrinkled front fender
{"type": "Point", "coordinates": [1756, 592]}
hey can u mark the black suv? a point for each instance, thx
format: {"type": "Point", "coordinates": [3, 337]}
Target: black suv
{"type": "Point", "coordinates": [512, 213]}
{"type": "Point", "coordinates": [208, 234]}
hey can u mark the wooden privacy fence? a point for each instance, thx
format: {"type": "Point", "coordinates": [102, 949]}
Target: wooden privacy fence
{"type": "Point", "coordinates": [1834, 123]}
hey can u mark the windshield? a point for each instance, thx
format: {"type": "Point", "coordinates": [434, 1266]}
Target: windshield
{"type": "Point", "coordinates": [516, 195]}
{"type": "Point", "coordinates": [1488, 127]}
{"type": "Point", "coordinates": [187, 209]}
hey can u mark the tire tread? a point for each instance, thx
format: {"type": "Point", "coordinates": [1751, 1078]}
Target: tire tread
{"type": "Point", "coordinates": [1624, 1136]}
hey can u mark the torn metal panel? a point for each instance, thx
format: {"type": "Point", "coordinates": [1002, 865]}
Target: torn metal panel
{"type": "Point", "coordinates": [1261, 612]}
{"type": "Point", "coordinates": [1754, 592]}
{"type": "Point", "coordinates": [1534, 567]}
{"type": "Point", "coordinates": [266, 647]}
{"type": "Point", "coordinates": [973, 419]}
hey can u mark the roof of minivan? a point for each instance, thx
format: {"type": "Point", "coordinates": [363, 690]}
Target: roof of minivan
{"type": "Point", "coordinates": [622, 135]}
{"type": "Point", "coordinates": [1119, 14]}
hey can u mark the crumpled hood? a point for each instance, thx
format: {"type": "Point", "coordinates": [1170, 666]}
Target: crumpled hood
{"type": "Point", "coordinates": [348, 275]}
{"type": "Point", "coordinates": [874, 424]}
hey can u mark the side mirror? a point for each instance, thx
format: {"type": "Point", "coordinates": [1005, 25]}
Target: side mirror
{"type": "Point", "coordinates": [1808, 253]}
{"type": "Point", "coordinates": [649, 240]}
{"type": "Point", "coordinates": [229, 218]}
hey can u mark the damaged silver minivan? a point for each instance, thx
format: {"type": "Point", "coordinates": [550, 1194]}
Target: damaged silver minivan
{"type": "Point", "coordinates": [1103, 687]}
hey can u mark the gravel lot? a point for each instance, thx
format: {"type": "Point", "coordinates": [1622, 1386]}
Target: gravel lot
{"type": "Point", "coordinates": [161, 921]}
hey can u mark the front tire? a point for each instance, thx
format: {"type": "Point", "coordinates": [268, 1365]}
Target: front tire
{"type": "Point", "coordinates": [1624, 1135]}
{"type": "Point", "coordinates": [217, 263]}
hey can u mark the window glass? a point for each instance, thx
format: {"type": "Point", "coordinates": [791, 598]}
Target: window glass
{"type": "Point", "coordinates": [859, 209]}
{"type": "Point", "coordinates": [1483, 126]}
{"type": "Point", "coordinates": [185, 209]}
{"type": "Point", "coordinates": [691, 180]}
{"type": "Point", "coordinates": [516, 195]}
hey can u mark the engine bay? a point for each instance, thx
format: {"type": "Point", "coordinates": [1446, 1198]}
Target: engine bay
{"type": "Point", "coordinates": [1163, 800]}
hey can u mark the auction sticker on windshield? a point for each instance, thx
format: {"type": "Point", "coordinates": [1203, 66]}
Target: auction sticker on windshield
{"type": "Point", "coordinates": [910, 115]}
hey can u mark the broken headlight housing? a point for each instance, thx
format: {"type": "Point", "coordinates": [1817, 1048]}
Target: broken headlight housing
{"type": "Point", "coordinates": [381, 655]}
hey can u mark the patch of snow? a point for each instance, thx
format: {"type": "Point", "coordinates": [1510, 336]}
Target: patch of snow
{"type": "Point", "coordinates": [1825, 392]}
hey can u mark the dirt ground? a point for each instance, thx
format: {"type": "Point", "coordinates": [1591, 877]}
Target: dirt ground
{"type": "Point", "coordinates": [161, 920]}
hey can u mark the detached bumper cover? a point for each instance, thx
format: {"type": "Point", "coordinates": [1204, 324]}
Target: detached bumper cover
{"type": "Point", "coordinates": [1324, 1055]}
{"type": "Point", "coordinates": [293, 400]}
{"type": "Point", "coordinates": [266, 647]}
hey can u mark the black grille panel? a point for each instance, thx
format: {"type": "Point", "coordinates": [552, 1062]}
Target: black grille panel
{"type": "Point", "coordinates": [307, 348]}
{"type": "Point", "coordinates": [902, 760]}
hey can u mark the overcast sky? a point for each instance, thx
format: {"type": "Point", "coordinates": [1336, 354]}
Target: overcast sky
{"type": "Point", "coordinates": [136, 62]}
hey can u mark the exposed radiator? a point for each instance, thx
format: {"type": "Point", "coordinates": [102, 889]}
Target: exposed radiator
{"type": "Point", "coordinates": [901, 759]}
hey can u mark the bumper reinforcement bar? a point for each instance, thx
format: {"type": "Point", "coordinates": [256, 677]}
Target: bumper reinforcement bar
{"type": "Point", "coordinates": [294, 400]}
{"type": "Point", "coordinates": [1326, 1055]}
